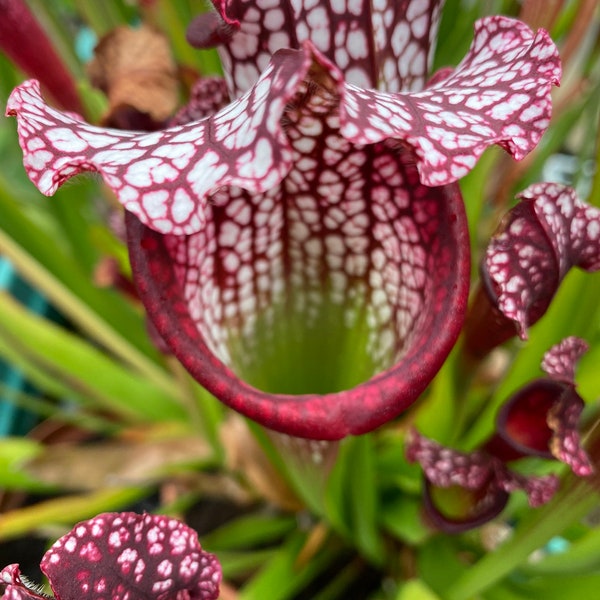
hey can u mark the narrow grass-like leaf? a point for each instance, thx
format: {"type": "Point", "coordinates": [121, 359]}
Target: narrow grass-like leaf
{"type": "Point", "coordinates": [581, 557]}
{"type": "Point", "coordinates": [69, 356]}
{"type": "Point", "coordinates": [239, 564]}
{"type": "Point", "coordinates": [101, 16]}
{"type": "Point", "coordinates": [351, 498]}
{"type": "Point", "coordinates": [46, 264]}
{"type": "Point", "coordinates": [48, 408]}
{"type": "Point", "coordinates": [81, 314]}
{"type": "Point", "coordinates": [51, 16]}
{"type": "Point", "coordinates": [248, 532]}
{"type": "Point", "coordinates": [439, 413]}
{"type": "Point", "coordinates": [364, 500]}
{"type": "Point", "coordinates": [66, 510]}
{"type": "Point", "coordinates": [403, 518]}
{"type": "Point", "coordinates": [342, 583]}
{"type": "Point", "coordinates": [415, 589]}
{"type": "Point", "coordinates": [282, 578]}
{"type": "Point", "coordinates": [336, 501]}
{"type": "Point", "coordinates": [13, 453]}
{"type": "Point", "coordinates": [550, 587]}
{"type": "Point", "coordinates": [438, 563]}
{"type": "Point", "coordinates": [36, 375]}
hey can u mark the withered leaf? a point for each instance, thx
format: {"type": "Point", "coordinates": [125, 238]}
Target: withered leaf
{"type": "Point", "coordinates": [135, 69]}
{"type": "Point", "coordinates": [116, 462]}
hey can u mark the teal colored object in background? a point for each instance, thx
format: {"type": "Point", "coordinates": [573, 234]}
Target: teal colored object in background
{"type": "Point", "coordinates": [14, 420]}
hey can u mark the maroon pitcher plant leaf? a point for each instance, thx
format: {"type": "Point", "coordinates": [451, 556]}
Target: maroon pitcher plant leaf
{"type": "Point", "coordinates": [547, 233]}
{"type": "Point", "coordinates": [465, 490]}
{"type": "Point", "coordinates": [543, 417]}
{"type": "Point", "coordinates": [124, 556]}
{"type": "Point", "coordinates": [304, 250]}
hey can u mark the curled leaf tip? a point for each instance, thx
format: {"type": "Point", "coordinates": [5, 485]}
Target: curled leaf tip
{"type": "Point", "coordinates": [543, 417]}
{"type": "Point", "coordinates": [559, 362]}
{"type": "Point", "coordinates": [539, 489]}
{"type": "Point", "coordinates": [481, 483]}
{"type": "Point", "coordinates": [563, 419]}
{"type": "Point", "coordinates": [540, 239]}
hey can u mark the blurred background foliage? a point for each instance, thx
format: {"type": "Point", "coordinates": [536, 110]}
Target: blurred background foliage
{"type": "Point", "coordinates": [95, 418]}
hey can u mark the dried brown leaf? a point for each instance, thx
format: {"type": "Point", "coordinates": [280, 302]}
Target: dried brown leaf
{"type": "Point", "coordinates": [135, 69]}
{"type": "Point", "coordinates": [116, 463]}
{"type": "Point", "coordinates": [245, 455]}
